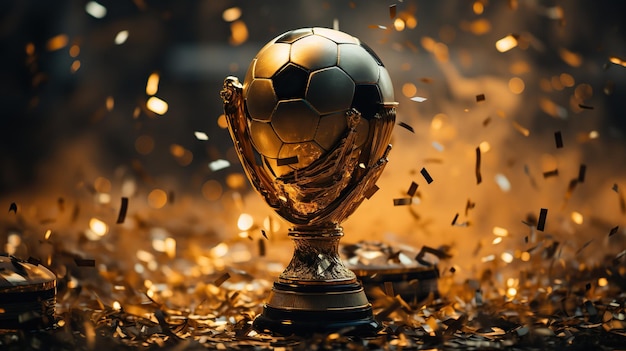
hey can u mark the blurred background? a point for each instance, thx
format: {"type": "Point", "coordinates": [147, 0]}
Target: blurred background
{"type": "Point", "coordinates": [108, 99]}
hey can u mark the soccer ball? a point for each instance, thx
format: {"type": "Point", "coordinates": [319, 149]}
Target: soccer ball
{"type": "Point", "coordinates": [298, 90]}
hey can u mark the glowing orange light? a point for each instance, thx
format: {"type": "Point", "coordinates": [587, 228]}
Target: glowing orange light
{"type": "Point", "coordinates": [238, 33]}
{"type": "Point", "coordinates": [153, 84]}
{"type": "Point", "coordinates": [577, 217]}
{"type": "Point", "coordinates": [157, 105]}
{"type": "Point", "coordinates": [507, 43]}
{"type": "Point", "coordinates": [231, 14]}
{"type": "Point", "coordinates": [399, 24]}
{"type": "Point", "coordinates": [57, 42]}
{"type": "Point", "coordinates": [157, 198]}
{"type": "Point", "coordinates": [516, 85]}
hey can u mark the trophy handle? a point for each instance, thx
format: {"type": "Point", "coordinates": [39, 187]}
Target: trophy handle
{"type": "Point", "coordinates": [234, 110]}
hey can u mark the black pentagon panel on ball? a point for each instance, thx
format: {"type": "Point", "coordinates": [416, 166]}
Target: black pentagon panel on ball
{"type": "Point", "coordinates": [367, 100]}
{"type": "Point", "coordinates": [295, 121]}
{"type": "Point", "coordinates": [330, 129]}
{"type": "Point", "coordinates": [330, 90]}
{"type": "Point", "coordinates": [314, 52]}
{"type": "Point", "coordinates": [385, 85]}
{"type": "Point", "coordinates": [368, 49]}
{"type": "Point", "coordinates": [294, 35]}
{"type": "Point", "coordinates": [358, 63]}
{"type": "Point", "coordinates": [260, 99]}
{"type": "Point", "coordinates": [270, 60]}
{"type": "Point", "coordinates": [336, 36]}
{"type": "Point", "coordinates": [264, 139]}
{"type": "Point", "coordinates": [290, 82]}
{"type": "Point", "coordinates": [306, 153]}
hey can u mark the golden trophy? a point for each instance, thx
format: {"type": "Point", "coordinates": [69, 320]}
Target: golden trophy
{"type": "Point", "coordinates": [311, 124]}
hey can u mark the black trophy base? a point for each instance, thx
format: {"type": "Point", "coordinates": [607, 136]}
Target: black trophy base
{"type": "Point", "coordinates": [317, 309]}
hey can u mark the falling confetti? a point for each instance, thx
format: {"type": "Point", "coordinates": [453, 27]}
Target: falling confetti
{"type": "Point", "coordinates": [479, 177]}
{"type": "Point", "coordinates": [541, 223]}
{"type": "Point", "coordinates": [392, 11]}
{"type": "Point", "coordinates": [558, 139]}
{"type": "Point", "coordinates": [201, 135]}
{"type": "Point", "coordinates": [218, 165]}
{"type": "Point", "coordinates": [426, 175]}
{"type": "Point", "coordinates": [123, 208]}
{"type": "Point", "coordinates": [581, 173]}
{"type": "Point", "coordinates": [480, 97]}
{"type": "Point", "coordinates": [418, 99]}
{"type": "Point", "coordinates": [406, 126]}
{"type": "Point", "coordinates": [613, 231]}
{"type": "Point", "coordinates": [412, 189]}
{"type": "Point", "coordinates": [402, 201]}
{"type": "Point", "coordinates": [371, 191]}
{"type": "Point", "coordinates": [13, 207]}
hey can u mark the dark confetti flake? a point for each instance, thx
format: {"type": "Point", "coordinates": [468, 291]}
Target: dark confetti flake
{"type": "Point", "coordinates": [541, 223]}
{"type": "Point", "coordinates": [371, 191]}
{"type": "Point", "coordinates": [479, 177]}
{"type": "Point", "coordinates": [615, 188]}
{"type": "Point", "coordinates": [412, 189]}
{"type": "Point", "coordinates": [454, 219]}
{"type": "Point", "coordinates": [123, 208]}
{"type": "Point", "coordinates": [552, 173]}
{"type": "Point", "coordinates": [13, 207]}
{"type": "Point", "coordinates": [219, 281]}
{"type": "Point", "coordinates": [264, 234]}
{"type": "Point", "coordinates": [581, 173]}
{"type": "Point", "coordinates": [570, 188]}
{"type": "Point", "coordinates": [392, 11]}
{"type": "Point", "coordinates": [83, 262]}
{"type": "Point", "coordinates": [61, 204]}
{"type": "Point", "coordinates": [429, 250]}
{"type": "Point", "coordinates": [261, 247]}
{"type": "Point", "coordinates": [480, 97]}
{"type": "Point", "coordinates": [584, 246]}
{"type": "Point", "coordinates": [426, 175]}
{"type": "Point", "coordinates": [170, 197]}
{"type": "Point", "coordinates": [585, 107]}
{"type": "Point", "coordinates": [402, 201]}
{"type": "Point", "coordinates": [558, 139]}
{"type": "Point", "coordinates": [287, 161]}
{"type": "Point", "coordinates": [486, 121]}
{"type": "Point", "coordinates": [613, 231]}
{"type": "Point", "coordinates": [406, 126]}
{"type": "Point", "coordinates": [469, 205]}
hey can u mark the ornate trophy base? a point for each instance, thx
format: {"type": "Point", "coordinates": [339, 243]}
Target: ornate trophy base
{"type": "Point", "coordinates": [309, 309]}
{"type": "Point", "coordinates": [316, 293]}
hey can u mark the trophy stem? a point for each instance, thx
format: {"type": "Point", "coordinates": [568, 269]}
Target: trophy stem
{"type": "Point", "coordinates": [316, 293]}
{"type": "Point", "coordinates": [316, 257]}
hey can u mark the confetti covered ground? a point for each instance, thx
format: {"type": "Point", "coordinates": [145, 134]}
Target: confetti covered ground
{"type": "Point", "coordinates": [506, 175]}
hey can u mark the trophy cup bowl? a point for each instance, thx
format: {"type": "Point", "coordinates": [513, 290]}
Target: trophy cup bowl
{"type": "Point", "coordinates": [311, 125]}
